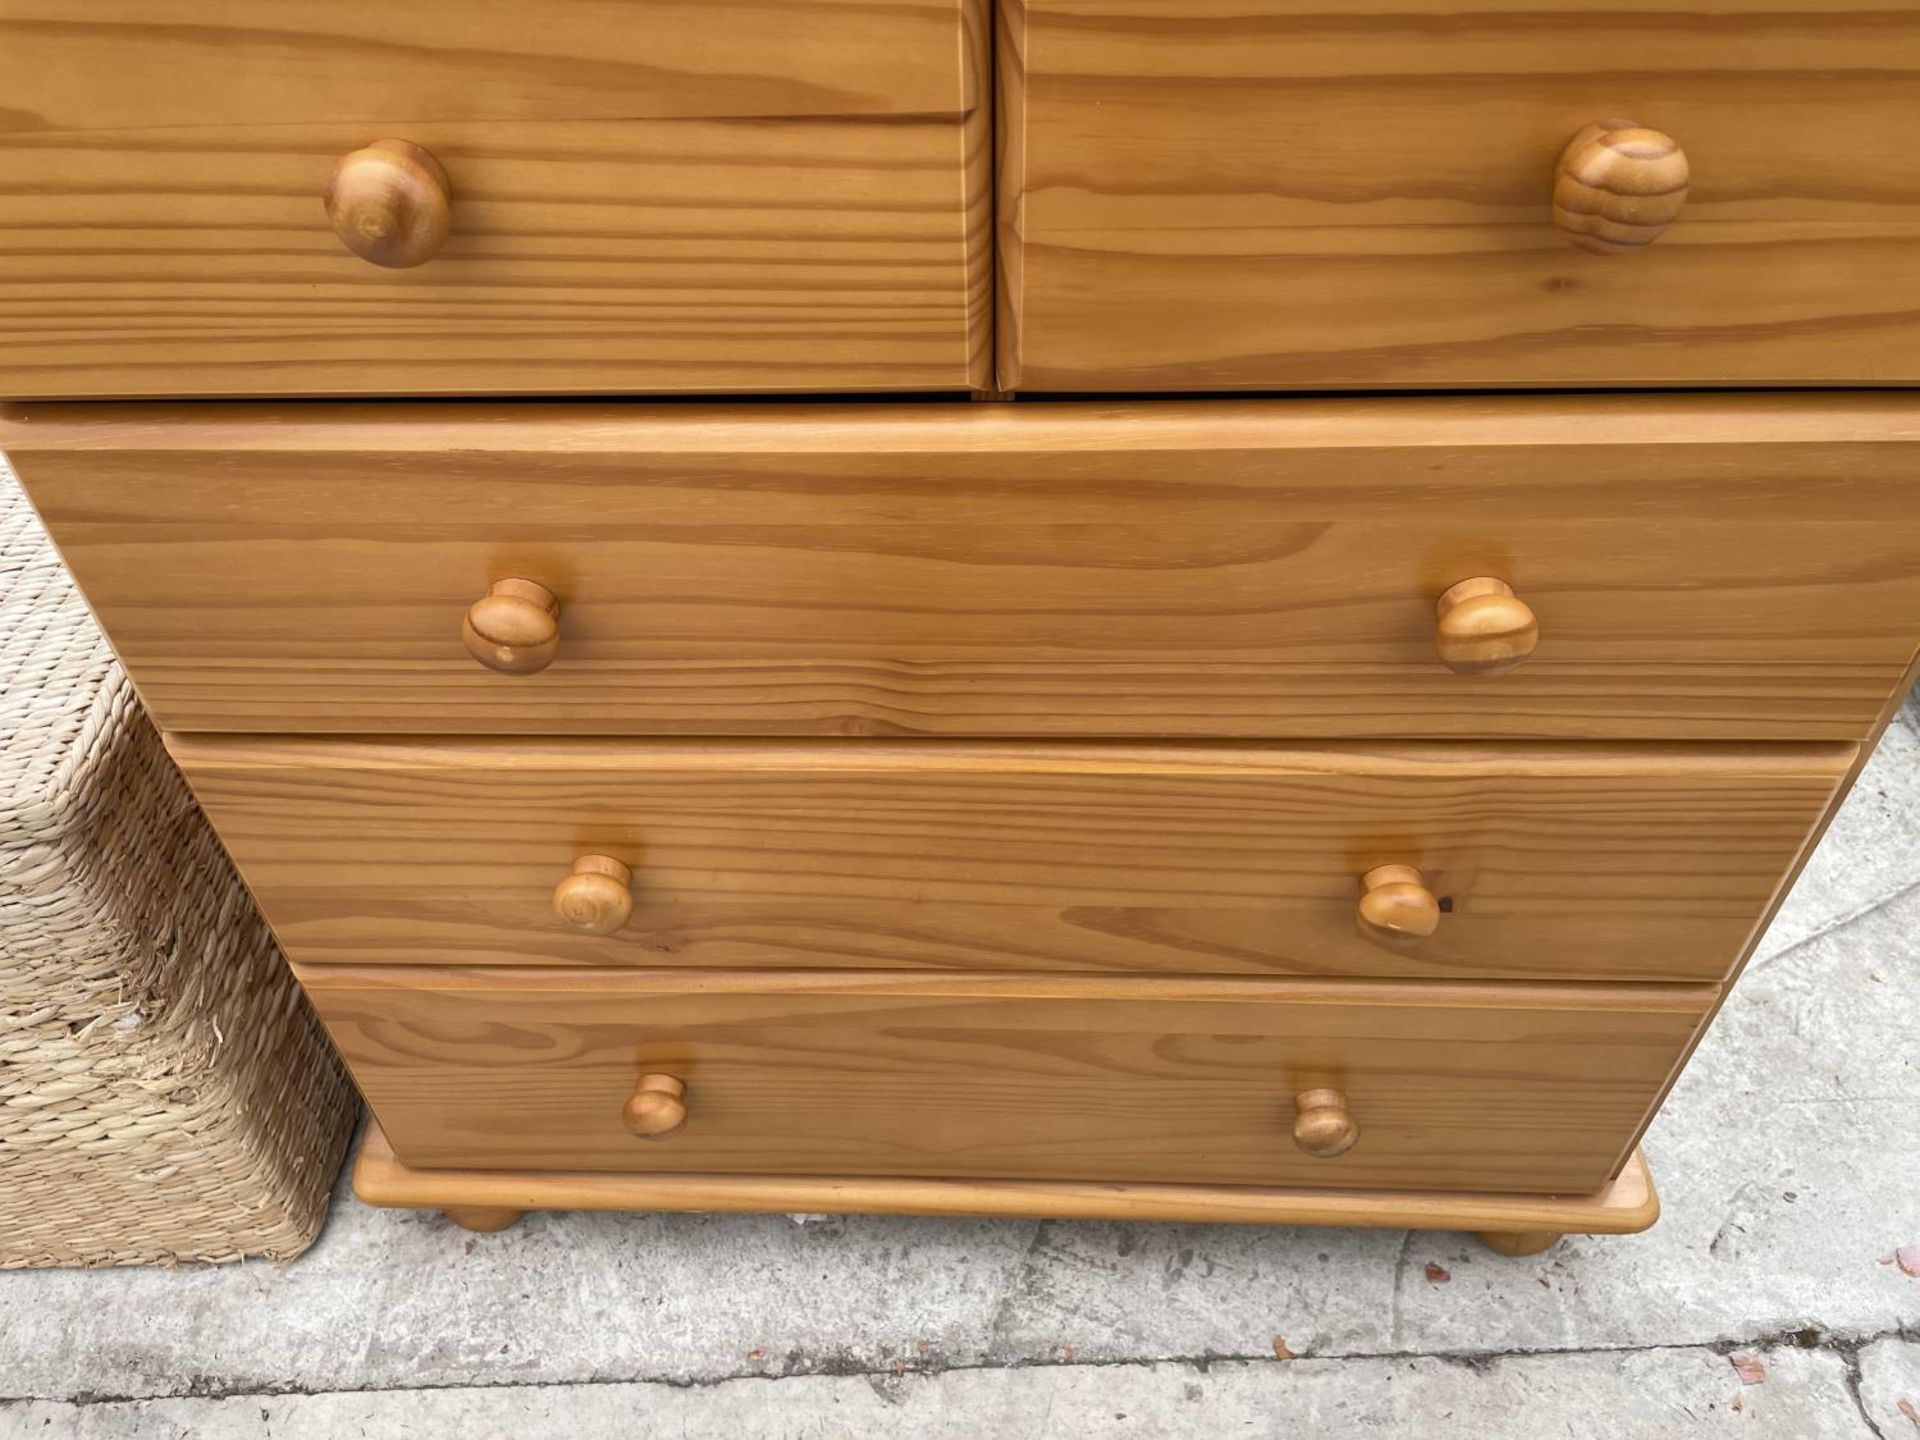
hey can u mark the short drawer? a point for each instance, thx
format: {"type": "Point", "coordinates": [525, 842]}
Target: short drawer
{"type": "Point", "coordinates": [1517, 1088]}
{"type": "Point", "coordinates": [562, 196]}
{"type": "Point", "coordinates": [1428, 861]}
{"type": "Point", "coordinates": [1741, 567]}
{"type": "Point", "coordinates": [1283, 194]}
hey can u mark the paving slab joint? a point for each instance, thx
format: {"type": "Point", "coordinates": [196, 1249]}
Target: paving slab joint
{"type": "Point", "coordinates": [1805, 1337]}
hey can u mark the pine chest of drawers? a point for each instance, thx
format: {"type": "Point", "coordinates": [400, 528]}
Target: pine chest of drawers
{"type": "Point", "coordinates": [1327, 807]}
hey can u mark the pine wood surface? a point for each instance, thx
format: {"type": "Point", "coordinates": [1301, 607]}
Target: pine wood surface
{"type": "Point", "coordinates": [1523, 1088]}
{"type": "Point", "coordinates": [1737, 567]}
{"type": "Point", "coordinates": [1626, 1205]}
{"type": "Point", "coordinates": [1727, 568]}
{"type": "Point", "coordinates": [1644, 863]}
{"type": "Point", "coordinates": [682, 195]}
{"type": "Point", "coordinates": [1283, 194]}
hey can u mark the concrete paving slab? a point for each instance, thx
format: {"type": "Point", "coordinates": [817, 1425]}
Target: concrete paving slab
{"type": "Point", "coordinates": [1870, 853]}
{"type": "Point", "coordinates": [1788, 1169]}
{"type": "Point", "coordinates": [400, 1298]}
{"type": "Point", "coordinates": [1637, 1395]}
{"type": "Point", "coordinates": [1889, 1385]}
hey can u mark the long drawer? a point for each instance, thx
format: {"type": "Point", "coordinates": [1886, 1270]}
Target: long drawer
{"type": "Point", "coordinates": [1281, 194]}
{"type": "Point", "coordinates": [1515, 1088]}
{"type": "Point", "coordinates": [1738, 567]}
{"type": "Point", "coordinates": [552, 196]}
{"type": "Point", "coordinates": [1544, 862]}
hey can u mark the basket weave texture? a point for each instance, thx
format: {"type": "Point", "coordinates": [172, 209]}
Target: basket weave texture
{"type": "Point", "coordinates": [165, 1092]}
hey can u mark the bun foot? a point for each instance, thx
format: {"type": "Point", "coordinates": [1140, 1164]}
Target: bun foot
{"type": "Point", "coordinates": [1518, 1242]}
{"type": "Point", "coordinates": [483, 1219]}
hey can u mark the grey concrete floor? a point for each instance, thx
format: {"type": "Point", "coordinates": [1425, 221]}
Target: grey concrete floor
{"type": "Point", "coordinates": [1778, 1297]}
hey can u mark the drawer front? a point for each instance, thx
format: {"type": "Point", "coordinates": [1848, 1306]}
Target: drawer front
{"type": "Point", "coordinates": [681, 195]}
{"type": "Point", "coordinates": [1519, 1088]}
{"type": "Point", "coordinates": [1544, 862]}
{"type": "Point", "coordinates": [1256, 194]}
{"type": "Point", "coordinates": [1710, 568]}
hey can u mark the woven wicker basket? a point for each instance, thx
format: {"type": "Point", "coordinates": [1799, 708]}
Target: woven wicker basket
{"type": "Point", "coordinates": [165, 1093]}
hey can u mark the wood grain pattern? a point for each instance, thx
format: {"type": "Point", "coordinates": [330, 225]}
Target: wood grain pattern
{"type": "Point", "coordinates": [1637, 862]}
{"type": "Point", "coordinates": [657, 1108]}
{"type": "Point", "coordinates": [1323, 1125]}
{"type": "Point", "coordinates": [1742, 567]}
{"type": "Point", "coordinates": [391, 204]}
{"type": "Point", "coordinates": [977, 162]}
{"type": "Point", "coordinates": [1627, 1205]}
{"type": "Point", "coordinates": [684, 195]}
{"type": "Point", "coordinates": [595, 895]}
{"type": "Point", "coordinates": [1495, 1088]}
{"type": "Point", "coordinates": [1619, 186]}
{"type": "Point", "coordinates": [1396, 909]}
{"type": "Point", "coordinates": [514, 628]}
{"type": "Point", "coordinates": [1483, 628]}
{"type": "Point", "coordinates": [1269, 194]}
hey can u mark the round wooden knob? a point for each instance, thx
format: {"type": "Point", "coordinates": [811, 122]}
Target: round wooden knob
{"type": "Point", "coordinates": [597, 897]}
{"type": "Point", "coordinates": [513, 628]}
{"type": "Point", "coordinates": [1397, 910]}
{"type": "Point", "coordinates": [657, 1108]}
{"type": "Point", "coordinates": [1618, 187]}
{"type": "Point", "coordinates": [390, 203]}
{"type": "Point", "coordinates": [1484, 627]}
{"type": "Point", "coordinates": [1323, 1127]}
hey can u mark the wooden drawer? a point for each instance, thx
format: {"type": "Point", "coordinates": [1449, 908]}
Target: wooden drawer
{"type": "Point", "coordinates": [1703, 568]}
{"type": "Point", "coordinates": [1546, 862]}
{"type": "Point", "coordinates": [1482, 1087]}
{"type": "Point", "coordinates": [680, 195]}
{"type": "Point", "coordinates": [1261, 194]}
